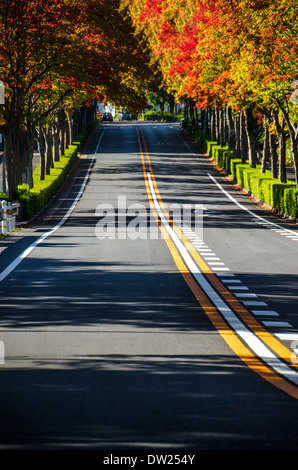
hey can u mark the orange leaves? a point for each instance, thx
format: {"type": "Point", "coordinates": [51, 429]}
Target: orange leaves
{"type": "Point", "coordinates": [84, 45]}
{"type": "Point", "coordinates": [151, 10]}
{"type": "Point", "coordinates": [223, 51]}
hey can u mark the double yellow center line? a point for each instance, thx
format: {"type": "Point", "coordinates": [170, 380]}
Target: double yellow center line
{"type": "Point", "coordinates": [235, 324]}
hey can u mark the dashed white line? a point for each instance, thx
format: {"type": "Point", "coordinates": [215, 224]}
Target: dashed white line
{"type": "Point", "coordinates": [252, 303]}
{"type": "Point", "coordinates": [238, 287]}
{"type": "Point", "coordinates": [279, 324]}
{"type": "Point", "coordinates": [271, 313]}
{"type": "Point", "coordinates": [273, 226]}
{"type": "Point", "coordinates": [245, 296]}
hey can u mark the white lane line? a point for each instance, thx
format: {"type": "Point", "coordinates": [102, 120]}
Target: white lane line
{"type": "Point", "coordinates": [252, 303]}
{"type": "Point", "coordinates": [279, 324]}
{"type": "Point", "coordinates": [37, 242]}
{"type": "Point", "coordinates": [245, 296]}
{"type": "Point", "coordinates": [242, 331]}
{"type": "Point", "coordinates": [287, 336]}
{"type": "Point", "coordinates": [268, 223]}
{"type": "Point", "coordinates": [214, 261]}
{"type": "Point", "coordinates": [238, 287]}
{"type": "Point", "coordinates": [269, 313]}
{"type": "Point", "coordinates": [216, 268]}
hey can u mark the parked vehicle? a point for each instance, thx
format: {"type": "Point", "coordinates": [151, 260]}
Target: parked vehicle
{"type": "Point", "coordinates": [124, 116]}
{"type": "Point", "coordinates": [107, 117]}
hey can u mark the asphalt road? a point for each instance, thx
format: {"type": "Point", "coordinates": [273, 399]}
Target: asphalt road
{"type": "Point", "coordinates": [123, 328]}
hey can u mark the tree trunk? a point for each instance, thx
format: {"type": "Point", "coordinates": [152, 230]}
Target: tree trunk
{"type": "Point", "coordinates": [293, 132]}
{"type": "Point", "coordinates": [251, 141]}
{"type": "Point", "coordinates": [231, 129]}
{"type": "Point", "coordinates": [274, 156]}
{"type": "Point", "coordinates": [206, 122]}
{"type": "Point", "coordinates": [279, 127]}
{"type": "Point", "coordinates": [237, 137]}
{"type": "Point", "coordinates": [56, 140]}
{"type": "Point", "coordinates": [61, 121]}
{"type": "Point", "coordinates": [294, 150]}
{"type": "Point", "coordinates": [18, 156]}
{"type": "Point", "coordinates": [217, 127]}
{"type": "Point", "coordinates": [71, 129]}
{"type": "Point", "coordinates": [213, 124]}
{"type": "Point", "coordinates": [266, 146]}
{"type": "Point", "coordinates": [42, 149]}
{"type": "Point", "coordinates": [49, 150]}
{"type": "Point", "coordinates": [242, 138]}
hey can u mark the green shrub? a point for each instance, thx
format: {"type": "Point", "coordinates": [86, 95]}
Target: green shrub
{"type": "Point", "coordinates": [283, 197]}
{"type": "Point", "coordinates": [234, 162]}
{"type": "Point", "coordinates": [260, 185]}
{"type": "Point", "coordinates": [209, 147]}
{"type": "Point", "coordinates": [152, 116]}
{"type": "Point", "coordinates": [33, 200]}
{"type": "Point", "coordinates": [290, 203]}
{"type": "Point", "coordinates": [166, 116]}
{"type": "Point", "coordinates": [3, 196]}
{"type": "Point", "coordinates": [278, 197]}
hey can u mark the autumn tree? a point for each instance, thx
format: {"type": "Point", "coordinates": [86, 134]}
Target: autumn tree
{"type": "Point", "coordinates": [53, 51]}
{"type": "Point", "coordinates": [237, 58]}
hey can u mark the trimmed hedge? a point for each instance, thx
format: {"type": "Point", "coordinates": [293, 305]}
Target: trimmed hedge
{"type": "Point", "coordinates": [283, 197]}
{"type": "Point", "coordinates": [33, 200]}
{"type": "Point", "coordinates": [166, 116]}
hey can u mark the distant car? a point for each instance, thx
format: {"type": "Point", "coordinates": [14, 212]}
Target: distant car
{"type": "Point", "coordinates": [124, 117]}
{"type": "Point", "coordinates": [107, 117]}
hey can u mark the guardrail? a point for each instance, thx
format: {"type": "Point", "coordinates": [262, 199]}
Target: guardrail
{"type": "Point", "coordinates": [8, 214]}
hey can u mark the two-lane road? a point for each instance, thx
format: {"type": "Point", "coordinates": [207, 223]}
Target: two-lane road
{"type": "Point", "coordinates": [155, 308]}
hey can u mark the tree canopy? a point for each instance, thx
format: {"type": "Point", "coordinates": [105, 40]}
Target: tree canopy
{"type": "Point", "coordinates": [58, 54]}
{"type": "Point", "coordinates": [238, 55]}
{"type": "Point", "coordinates": [241, 54]}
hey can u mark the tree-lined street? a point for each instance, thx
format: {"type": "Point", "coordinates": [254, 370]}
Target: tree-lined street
{"type": "Point", "coordinates": [112, 342]}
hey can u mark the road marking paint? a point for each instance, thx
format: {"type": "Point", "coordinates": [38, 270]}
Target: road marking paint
{"type": "Point", "coordinates": [272, 313]}
{"type": "Point", "coordinates": [279, 324]}
{"type": "Point", "coordinates": [225, 276]}
{"type": "Point", "coordinates": [37, 242]}
{"type": "Point", "coordinates": [273, 226]}
{"type": "Point", "coordinates": [252, 303]}
{"type": "Point", "coordinates": [238, 287]}
{"type": "Point", "coordinates": [215, 263]}
{"type": "Point", "coordinates": [202, 288]}
{"type": "Point", "coordinates": [245, 296]}
{"type": "Point", "coordinates": [216, 268]}
{"type": "Point", "coordinates": [287, 336]}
